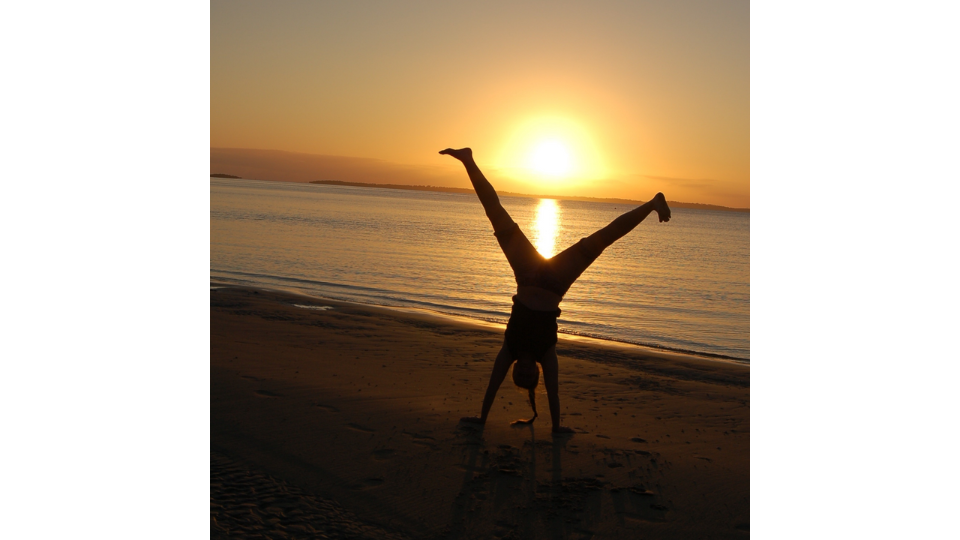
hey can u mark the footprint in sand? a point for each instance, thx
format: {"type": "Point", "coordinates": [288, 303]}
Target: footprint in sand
{"type": "Point", "coordinates": [322, 407]}
{"type": "Point", "coordinates": [267, 394]}
{"type": "Point", "coordinates": [384, 454]}
{"type": "Point", "coordinates": [368, 483]}
{"type": "Point", "coordinates": [358, 427]}
{"type": "Point", "coordinates": [471, 468]}
{"type": "Point", "coordinates": [423, 440]}
{"type": "Point", "coordinates": [641, 491]}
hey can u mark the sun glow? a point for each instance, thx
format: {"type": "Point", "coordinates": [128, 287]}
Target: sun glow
{"type": "Point", "coordinates": [546, 227]}
{"type": "Point", "coordinates": [551, 152]}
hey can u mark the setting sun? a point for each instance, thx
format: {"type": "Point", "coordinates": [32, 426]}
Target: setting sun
{"type": "Point", "coordinates": [550, 158]}
{"type": "Point", "coordinates": [551, 151]}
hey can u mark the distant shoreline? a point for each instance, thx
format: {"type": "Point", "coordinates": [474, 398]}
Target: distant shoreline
{"type": "Point", "coordinates": [674, 204]}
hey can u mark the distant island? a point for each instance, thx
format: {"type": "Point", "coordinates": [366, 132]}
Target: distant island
{"type": "Point", "coordinates": [673, 204]}
{"type": "Point", "coordinates": [221, 175]}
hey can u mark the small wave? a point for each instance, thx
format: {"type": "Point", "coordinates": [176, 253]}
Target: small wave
{"type": "Point", "coordinates": [374, 296]}
{"type": "Point", "coordinates": [317, 308]}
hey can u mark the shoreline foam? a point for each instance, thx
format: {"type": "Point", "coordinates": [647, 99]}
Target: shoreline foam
{"type": "Point", "coordinates": [492, 323]}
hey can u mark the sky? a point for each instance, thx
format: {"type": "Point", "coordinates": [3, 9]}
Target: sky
{"type": "Point", "coordinates": [858, 107]}
{"type": "Point", "coordinates": [601, 99]}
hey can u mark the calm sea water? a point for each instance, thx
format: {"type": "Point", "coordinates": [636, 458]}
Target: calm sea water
{"type": "Point", "coordinates": [682, 285]}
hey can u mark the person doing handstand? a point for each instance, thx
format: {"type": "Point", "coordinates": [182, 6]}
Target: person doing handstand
{"type": "Point", "coordinates": [531, 335]}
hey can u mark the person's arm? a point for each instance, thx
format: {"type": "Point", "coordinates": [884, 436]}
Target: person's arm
{"type": "Point", "coordinates": [500, 368]}
{"type": "Point", "coordinates": [551, 379]}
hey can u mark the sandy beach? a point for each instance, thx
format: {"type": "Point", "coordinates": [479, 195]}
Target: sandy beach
{"type": "Point", "coordinates": [341, 420]}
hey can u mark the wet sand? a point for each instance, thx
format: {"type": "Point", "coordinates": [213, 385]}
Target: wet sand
{"type": "Point", "coordinates": [343, 422]}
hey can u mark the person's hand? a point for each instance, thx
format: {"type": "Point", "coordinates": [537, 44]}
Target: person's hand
{"type": "Point", "coordinates": [471, 420]}
{"type": "Point", "coordinates": [563, 429]}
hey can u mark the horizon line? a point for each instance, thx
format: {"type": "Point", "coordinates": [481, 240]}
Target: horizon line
{"type": "Point", "coordinates": [443, 189]}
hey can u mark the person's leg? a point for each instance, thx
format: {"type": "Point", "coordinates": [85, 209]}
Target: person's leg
{"type": "Point", "coordinates": [520, 253]}
{"type": "Point", "coordinates": [619, 227]}
{"type": "Point", "coordinates": [499, 217]}
{"type": "Point", "coordinates": [574, 260]}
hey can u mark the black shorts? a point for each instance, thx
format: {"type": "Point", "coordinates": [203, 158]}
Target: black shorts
{"type": "Point", "coordinates": [530, 333]}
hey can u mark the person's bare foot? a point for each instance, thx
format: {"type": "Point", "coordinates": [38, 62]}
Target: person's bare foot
{"type": "Point", "coordinates": [563, 429]}
{"type": "Point", "coordinates": [663, 211]}
{"type": "Point", "coordinates": [463, 154]}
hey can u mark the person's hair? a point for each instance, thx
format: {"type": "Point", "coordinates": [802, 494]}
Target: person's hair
{"type": "Point", "coordinates": [526, 379]}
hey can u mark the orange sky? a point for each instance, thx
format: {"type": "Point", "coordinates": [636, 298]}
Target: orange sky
{"type": "Point", "coordinates": [638, 97]}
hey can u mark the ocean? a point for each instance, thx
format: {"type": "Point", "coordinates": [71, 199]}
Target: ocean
{"type": "Point", "coordinates": [682, 285]}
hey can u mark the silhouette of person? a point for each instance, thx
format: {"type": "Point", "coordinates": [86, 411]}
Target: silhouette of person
{"type": "Point", "coordinates": [531, 336]}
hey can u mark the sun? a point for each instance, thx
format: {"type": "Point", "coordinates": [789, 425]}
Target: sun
{"type": "Point", "coordinates": [551, 152]}
{"type": "Point", "coordinates": [550, 158]}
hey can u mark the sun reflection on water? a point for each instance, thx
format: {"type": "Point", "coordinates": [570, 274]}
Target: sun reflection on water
{"type": "Point", "coordinates": [546, 227]}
